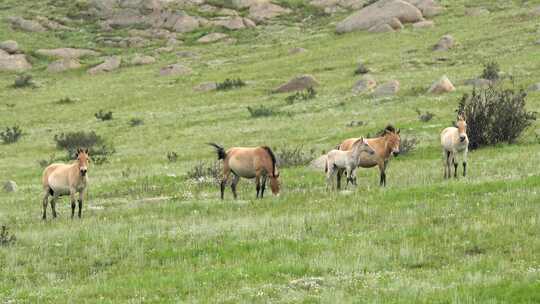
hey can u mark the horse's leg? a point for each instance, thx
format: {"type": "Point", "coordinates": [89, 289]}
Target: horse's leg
{"type": "Point", "coordinates": [53, 204]}
{"type": "Point", "coordinates": [45, 203]}
{"type": "Point", "coordinates": [382, 180]}
{"type": "Point", "coordinates": [234, 182]}
{"type": "Point", "coordinates": [226, 173]}
{"type": "Point", "coordinates": [258, 182]}
{"type": "Point", "coordinates": [81, 193]}
{"type": "Point", "coordinates": [263, 185]}
{"type": "Point", "coordinates": [339, 173]}
{"type": "Point", "coordinates": [445, 162]}
{"type": "Point", "coordinates": [465, 152]}
{"type": "Point", "coordinates": [72, 199]}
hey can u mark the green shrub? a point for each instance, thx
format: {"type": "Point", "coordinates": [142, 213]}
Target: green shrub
{"type": "Point", "coordinates": [103, 116]}
{"type": "Point", "coordinates": [307, 94]}
{"type": "Point", "coordinates": [172, 156]}
{"type": "Point", "coordinates": [11, 134]}
{"type": "Point", "coordinates": [495, 115]}
{"type": "Point", "coordinates": [136, 122]}
{"type": "Point", "coordinates": [407, 145]}
{"type": "Point", "coordinates": [6, 238]}
{"type": "Point", "coordinates": [68, 100]}
{"type": "Point", "coordinates": [424, 117]}
{"type": "Point", "coordinates": [294, 156]}
{"type": "Point", "coordinates": [230, 84]}
{"type": "Point", "coordinates": [205, 172]}
{"type": "Point", "coordinates": [491, 71]}
{"type": "Point", "coordinates": [23, 81]}
{"type": "Point", "coordinates": [99, 150]}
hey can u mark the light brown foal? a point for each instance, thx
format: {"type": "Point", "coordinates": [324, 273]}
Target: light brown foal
{"type": "Point", "coordinates": [258, 163]}
{"type": "Point", "coordinates": [66, 179]}
{"type": "Point", "coordinates": [384, 146]}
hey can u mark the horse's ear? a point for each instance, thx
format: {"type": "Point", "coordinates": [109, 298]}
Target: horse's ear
{"type": "Point", "coordinates": [398, 130]}
{"type": "Point", "coordinates": [86, 150]}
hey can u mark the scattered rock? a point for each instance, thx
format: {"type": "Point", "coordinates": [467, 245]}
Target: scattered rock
{"type": "Point", "coordinates": [318, 163]}
{"type": "Point", "coordinates": [381, 28]}
{"type": "Point", "coordinates": [9, 46]}
{"type": "Point", "coordinates": [227, 12]}
{"type": "Point", "coordinates": [307, 283]}
{"type": "Point", "coordinates": [10, 186]}
{"type": "Point", "coordinates": [366, 84]}
{"type": "Point", "coordinates": [175, 69]}
{"type": "Point", "coordinates": [52, 25]}
{"type": "Point", "coordinates": [154, 33]}
{"type": "Point", "coordinates": [395, 24]}
{"type": "Point", "coordinates": [63, 65]}
{"type": "Point", "coordinates": [445, 43]}
{"type": "Point", "coordinates": [185, 54]}
{"type": "Point", "coordinates": [423, 24]}
{"type": "Point", "coordinates": [246, 3]}
{"type": "Point", "coordinates": [537, 42]}
{"type": "Point", "coordinates": [534, 87]}
{"type": "Point", "coordinates": [298, 84]}
{"type": "Point", "coordinates": [297, 50]}
{"type": "Point", "coordinates": [212, 37]}
{"type": "Point", "coordinates": [428, 7]}
{"type": "Point", "coordinates": [110, 64]}
{"type": "Point", "coordinates": [66, 53]}
{"type": "Point", "coordinates": [235, 23]}
{"type": "Point", "coordinates": [441, 86]}
{"type": "Point", "coordinates": [18, 23]}
{"type": "Point", "coordinates": [536, 11]}
{"type": "Point", "coordinates": [142, 60]}
{"type": "Point", "coordinates": [264, 11]}
{"type": "Point", "coordinates": [380, 12]}
{"type": "Point", "coordinates": [161, 50]}
{"type": "Point", "coordinates": [13, 63]}
{"type": "Point", "coordinates": [476, 11]}
{"type": "Point", "coordinates": [355, 123]}
{"type": "Point", "coordinates": [122, 42]}
{"type": "Point", "coordinates": [205, 87]}
{"type": "Point", "coordinates": [173, 42]}
{"type": "Point", "coordinates": [478, 82]}
{"type": "Point", "coordinates": [390, 88]}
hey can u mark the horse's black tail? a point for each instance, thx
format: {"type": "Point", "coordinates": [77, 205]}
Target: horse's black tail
{"type": "Point", "coordinates": [273, 157]}
{"type": "Point", "coordinates": [221, 154]}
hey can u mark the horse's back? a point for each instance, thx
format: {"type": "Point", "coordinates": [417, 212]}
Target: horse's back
{"type": "Point", "coordinates": [347, 144]}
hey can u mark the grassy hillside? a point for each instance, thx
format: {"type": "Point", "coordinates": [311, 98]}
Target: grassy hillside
{"type": "Point", "coordinates": [149, 234]}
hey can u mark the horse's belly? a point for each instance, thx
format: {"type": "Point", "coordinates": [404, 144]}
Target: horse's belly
{"type": "Point", "coordinates": [242, 168]}
{"type": "Point", "coordinates": [59, 187]}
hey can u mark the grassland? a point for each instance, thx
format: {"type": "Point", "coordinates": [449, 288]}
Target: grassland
{"type": "Point", "coordinates": [150, 235]}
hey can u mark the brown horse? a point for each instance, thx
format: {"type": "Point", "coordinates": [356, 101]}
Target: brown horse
{"type": "Point", "coordinates": [258, 163]}
{"type": "Point", "coordinates": [384, 146]}
{"type": "Point", "coordinates": [62, 179]}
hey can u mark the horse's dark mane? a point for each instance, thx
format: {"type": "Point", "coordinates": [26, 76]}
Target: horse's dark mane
{"type": "Point", "coordinates": [390, 128]}
{"type": "Point", "coordinates": [273, 157]}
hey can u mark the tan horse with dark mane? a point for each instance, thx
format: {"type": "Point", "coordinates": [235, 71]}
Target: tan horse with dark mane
{"type": "Point", "coordinates": [258, 163]}
{"type": "Point", "coordinates": [66, 179]}
{"type": "Point", "coordinates": [384, 146]}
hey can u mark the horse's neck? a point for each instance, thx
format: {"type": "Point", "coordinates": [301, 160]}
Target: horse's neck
{"type": "Point", "coordinates": [387, 148]}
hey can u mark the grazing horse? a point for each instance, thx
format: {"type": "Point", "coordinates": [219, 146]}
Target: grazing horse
{"type": "Point", "coordinates": [345, 160]}
{"type": "Point", "coordinates": [454, 140]}
{"type": "Point", "coordinates": [63, 179]}
{"type": "Point", "coordinates": [384, 146]}
{"type": "Point", "coordinates": [258, 163]}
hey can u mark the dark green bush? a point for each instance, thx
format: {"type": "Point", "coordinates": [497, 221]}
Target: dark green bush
{"type": "Point", "coordinates": [407, 145]}
{"type": "Point", "coordinates": [23, 81]}
{"type": "Point", "coordinates": [491, 71]}
{"type": "Point", "coordinates": [172, 156]}
{"type": "Point", "coordinates": [11, 134]}
{"type": "Point", "coordinates": [103, 116]}
{"type": "Point", "coordinates": [136, 122]}
{"type": "Point", "coordinates": [230, 84]}
{"type": "Point", "coordinates": [6, 238]}
{"type": "Point", "coordinates": [68, 100]}
{"type": "Point", "coordinates": [205, 171]}
{"type": "Point", "coordinates": [307, 94]}
{"type": "Point", "coordinates": [495, 115]}
{"type": "Point", "coordinates": [99, 150]}
{"type": "Point", "coordinates": [260, 111]}
{"type": "Point", "coordinates": [424, 117]}
{"type": "Point", "coordinates": [294, 156]}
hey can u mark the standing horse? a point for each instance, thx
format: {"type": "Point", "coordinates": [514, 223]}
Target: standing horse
{"type": "Point", "coordinates": [62, 179]}
{"type": "Point", "coordinates": [454, 140]}
{"type": "Point", "coordinates": [384, 146]}
{"type": "Point", "coordinates": [345, 160]}
{"type": "Point", "coordinates": [258, 163]}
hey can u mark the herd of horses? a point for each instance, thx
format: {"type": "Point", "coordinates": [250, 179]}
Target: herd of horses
{"type": "Point", "coordinates": [260, 163]}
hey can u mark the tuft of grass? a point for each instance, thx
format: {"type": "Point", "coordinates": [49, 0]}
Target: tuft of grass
{"type": "Point", "coordinates": [134, 122]}
{"type": "Point", "coordinates": [260, 111]}
{"type": "Point", "coordinates": [68, 100]}
{"type": "Point", "coordinates": [24, 81]}
{"type": "Point", "coordinates": [172, 156]}
{"type": "Point", "coordinates": [307, 94]}
{"type": "Point", "coordinates": [424, 117]}
{"type": "Point", "coordinates": [104, 116]}
{"type": "Point", "coordinates": [11, 134]}
{"type": "Point", "coordinates": [491, 71]}
{"type": "Point", "coordinates": [407, 145]}
{"type": "Point", "coordinates": [209, 172]}
{"type": "Point", "coordinates": [6, 238]}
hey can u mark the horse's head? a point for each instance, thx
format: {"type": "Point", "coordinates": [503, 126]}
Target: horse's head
{"type": "Point", "coordinates": [392, 139]}
{"type": "Point", "coordinates": [274, 183]}
{"type": "Point", "coordinates": [83, 159]}
{"type": "Point", "coordinates": [461, 125]}
{"type": "Point", "coordinates": [361, 145]}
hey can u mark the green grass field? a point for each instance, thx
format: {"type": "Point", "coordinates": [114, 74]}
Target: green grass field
{"type": "Point", "coordinates": [151, 235]}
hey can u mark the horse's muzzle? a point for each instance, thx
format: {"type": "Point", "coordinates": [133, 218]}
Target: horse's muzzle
{"type": "Point", "coordinates": [83, 172]}
{"type": "Point", "coordinates": [462, 138]}
{"type": "Point", "coordinates": [395, 153]}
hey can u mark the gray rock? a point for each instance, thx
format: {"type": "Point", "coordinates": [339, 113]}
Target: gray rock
{"type": "Point", "coordinates": [9, 46]}
{"type": "Point", "coordinates": [13, 63]}
{"type": "Point", "coordinates": [142, 60]}
{"type": "Point", "coordinates": [263, 11]}
{"type": "Point", "coordinates": [390, 88]}
{"type": "Point", "coordinates": [63, 65]}
{"type": "Point", "coordinates": [478, 82]}
{"type": "Point", "coordinates": [366, 84]}
{"type": "Point", "coordinates": [297, 84]}
{"type": "Point", "coordinates": [381, 28]}
{"type": "Point", "coordinates": [534, 87]}
{"type": "Point", "coordinates": [297, 50]}
{"type": "Point", "coordinates": [175, 69]}
{"type": "Point", "coordinates": [212, 37]}
{"type": "Point", "coordinates": [19, 23]}
{"type": "Point", "coordinates": [234, 23]}
{"type": "Point", "coordinates": [66, 53]}
{"type": "Point", "coordinates": [423, 24]}
{"type": "Point", "coordinates": [185, 54]}
{"type": "Point", "coordinates": [247, 3]}
{"type": "Point", "coordinates": [428, 7]}
{"type": "Point", "coordinates": [536, 11]}
{"type": "Point", "coordinates": [205, 87]}
{"type": "Point", "coordinates": [476, 11]}
{"type": "Point", "coordinates": [445, 43]}
{"type": "Point", "coordinates": [110, 64]}
{"type": "Point", "coordinates": [52, 25]}
{"type": "Point", "coordinates": [361, 69]}
{"type": "Point", "coordinates": [10, 186]}
{"type": "Point", "coordinates": [307, 283]}
{"type": "Point", "coordinates": [443, 85]}
{"type": "Point", "coordinates": [380, 12]}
